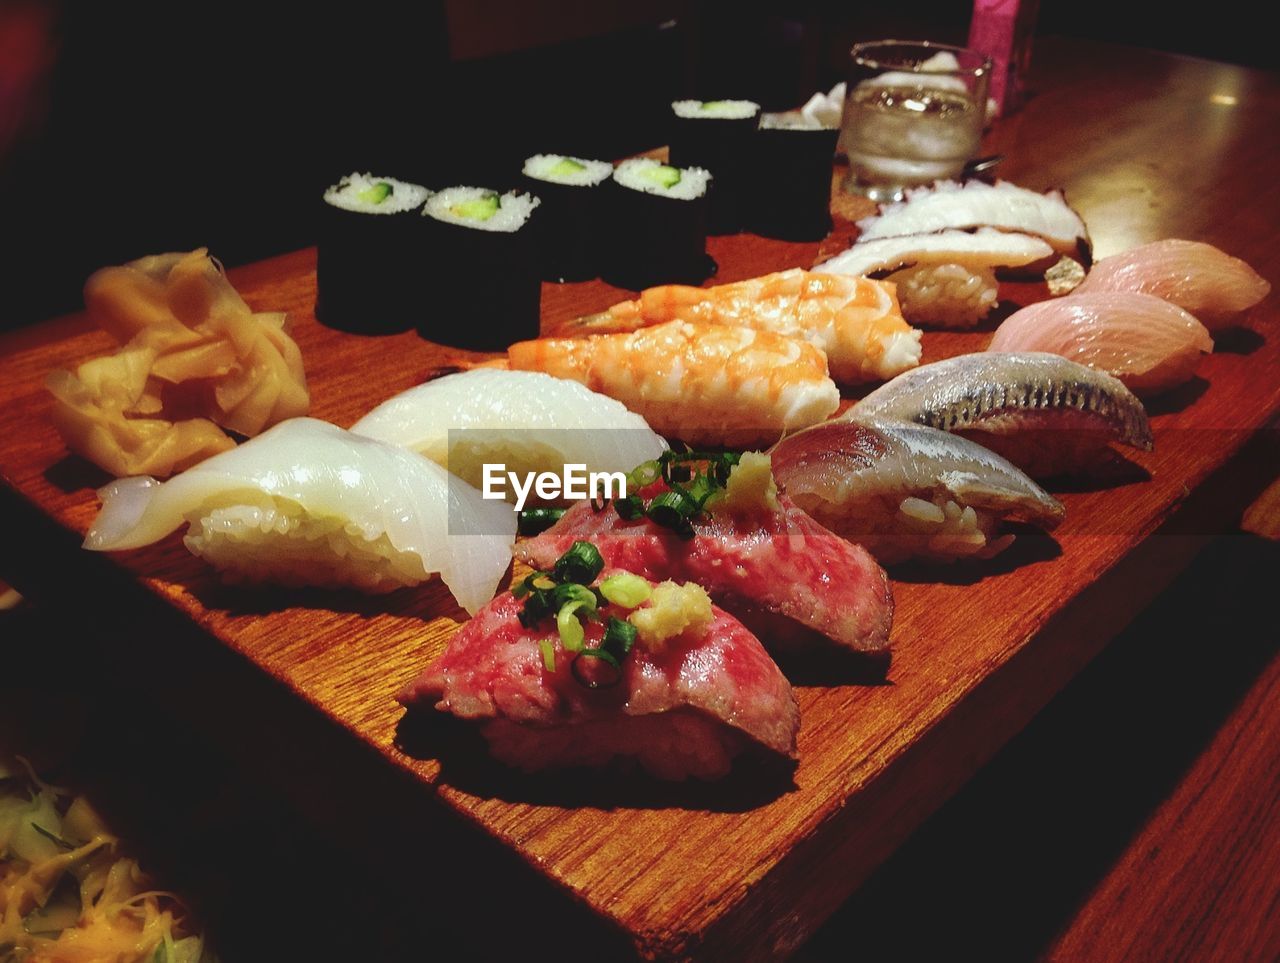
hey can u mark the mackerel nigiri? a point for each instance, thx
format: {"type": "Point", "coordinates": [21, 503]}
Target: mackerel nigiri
{"type": "Point", "coordinates": [855, 320]}
{"type": "Point", "coordinates": [705, 384]}
{"type": "Point", "coordinates": [686, 698]}
{"type": "Point", "coordinates": [906, 491]}
{"type": "Point", "coordinates": [1046, 414]}
{"type": "Point", "coordinates": [1211, 284]}
{"type": "Point", "coordinates": [1149, 344]}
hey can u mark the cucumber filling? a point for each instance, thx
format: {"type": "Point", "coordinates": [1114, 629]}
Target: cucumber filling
{"type": "Point", "coordinates": [375, 194]}
{"type": "Point", "coordinates": [566, 167]}
{"type": "Point", "coordinates": [662, 175]}
{"type": "Point", "coordinates": [478, 208]}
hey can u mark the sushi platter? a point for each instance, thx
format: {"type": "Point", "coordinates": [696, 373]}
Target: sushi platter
{"type": "Point", "coordinates": [749, 868]}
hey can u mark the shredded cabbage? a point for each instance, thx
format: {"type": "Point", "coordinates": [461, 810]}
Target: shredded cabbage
{"type": "Point", "coordinates": [67, 892]}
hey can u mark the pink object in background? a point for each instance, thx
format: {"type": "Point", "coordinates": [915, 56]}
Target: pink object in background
{"type": "Point", "coordinates": [1002, 29]}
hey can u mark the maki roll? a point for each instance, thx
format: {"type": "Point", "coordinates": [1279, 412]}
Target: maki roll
{"type": "Point", "coordinates": [660, 213]}
{"type": "Point", "coordinates": [363, 281]}
{"type": "Point", "coordinates": [570, 191]}
{"type": "Point", "coordinates": [480, 245]}
{"type": "Point", "coordinates": [793, 160]}
{"type": "Point", "coordinates": [718, 135]}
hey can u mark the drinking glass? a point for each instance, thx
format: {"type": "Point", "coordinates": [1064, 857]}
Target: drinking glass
{"type": "Point", "coordinates": [913, 113]}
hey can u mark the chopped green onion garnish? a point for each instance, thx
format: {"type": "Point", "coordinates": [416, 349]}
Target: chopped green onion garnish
{"type": "Point", "coordinates": [619, 637]}
{"type": "Point", "coordinates": [630, 507]}
{"type": "Point", "coordinates": [567, 624]}
{"type": "Point", "coordinates": [566, 593]}
{"type": "Point", "coordinates": [644, 474]}
{"type": "Point", "coordinates": [548, 648]}
{"type": "Point", "coordinates": [673, 509]}
{"type": "Point", "coordinates": [713, 104]}
{"type": "Point", "coordinates": [533, 521]}
{"type": "Point", "coordinates": [626, 589]}
{"type": "Point", "coordinates": [688, 492]}
{"type": "Point", "coordinates": [581, 564]}
{"type": "Point", "coordinates": [572, 592]}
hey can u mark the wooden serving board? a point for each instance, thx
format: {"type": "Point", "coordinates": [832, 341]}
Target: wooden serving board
{"type": "Point", "coordinates": [749, 868]}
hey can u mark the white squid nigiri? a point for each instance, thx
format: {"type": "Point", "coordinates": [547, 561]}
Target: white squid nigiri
{"type": "Point", "coordinates": [527, 420]}
{"type": "Point", "coordinates": [309, 504]}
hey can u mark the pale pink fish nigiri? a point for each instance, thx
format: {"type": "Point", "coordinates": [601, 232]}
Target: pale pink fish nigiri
{"type": "Point", "coordinates": [1150, 345]}
{"type": "Point", "coordinates": [1198, 277]}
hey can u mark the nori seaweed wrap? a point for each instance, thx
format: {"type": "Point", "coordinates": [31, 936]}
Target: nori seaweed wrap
{"type": "Point", "coordinates": [364, 281]}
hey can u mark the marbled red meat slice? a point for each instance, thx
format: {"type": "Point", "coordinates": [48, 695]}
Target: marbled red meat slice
{"type": "Point", "coordinates": [685, 710]}
{"type": "Point", "coordinates": [780, 563]}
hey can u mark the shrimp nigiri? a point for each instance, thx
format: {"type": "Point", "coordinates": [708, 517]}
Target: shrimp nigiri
{"type": "Point", "coordinates": [1149, 344]}
{"type": "Point", "coordinates": [855, 320]}
{"type": "Point", "coordinates": [1197, 277]}
{"type": "Point", "coordinates": [704, 384]}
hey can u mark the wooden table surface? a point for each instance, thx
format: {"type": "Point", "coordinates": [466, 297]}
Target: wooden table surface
{"type": "Point", "coordinates": [1147, 146]}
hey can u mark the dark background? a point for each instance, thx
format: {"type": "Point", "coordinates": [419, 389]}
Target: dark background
{"type": "Point", "coordinates": [129, 129]}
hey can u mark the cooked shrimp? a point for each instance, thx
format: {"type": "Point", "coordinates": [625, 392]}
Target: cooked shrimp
{"type": "Point", "coordinates": [855, 320]}
{"type": "Point", "coordinates": [704, 384]}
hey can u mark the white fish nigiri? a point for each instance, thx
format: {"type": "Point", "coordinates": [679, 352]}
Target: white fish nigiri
{"type": "Point", "coordinates": [1197, 277]}
{"type": "Point", "coordinates": [1149, 344]}
{"type": "Point", "coordinates": [307, 503]}
{"type": "Point", "coordinates": [948, 204]}
{"type": "Point", "coordinates": [527, 420]}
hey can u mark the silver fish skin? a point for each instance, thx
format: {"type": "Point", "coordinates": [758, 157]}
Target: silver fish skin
{"type": "Point", "coordinates": [845, 461]}
{"type": "Point", "coordinates": [950, 205]}
{"type": "Point", "coordinates": [904, 491]}
{"type": "Point", "coordinates": [989, 389]}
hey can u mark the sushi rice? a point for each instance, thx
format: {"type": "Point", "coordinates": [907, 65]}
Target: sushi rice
{"type": "Point", "coordinates": [715, 109]}
{"type": "Point", "coordinates": [553, 169]}
{"type": "Point", "coordinates": [636, 174]}
{"type": "Point", "coordinates": [346, 194]}
{"type": "Point", "coordinates": [946, 295]}
{"type": "Point", "coordinates": [513, 211]}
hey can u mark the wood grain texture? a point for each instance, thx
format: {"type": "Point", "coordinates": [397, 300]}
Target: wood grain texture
{"type": "Point", "coordinates": [747, 869]}
{"type": "Point", "coordinates": [1200, 880]}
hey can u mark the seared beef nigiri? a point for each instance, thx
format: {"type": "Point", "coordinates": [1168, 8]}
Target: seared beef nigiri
{"type": "Point", "coordinates": [695, 689]}
{"type": "Point", "coordinates": [770, 564]}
